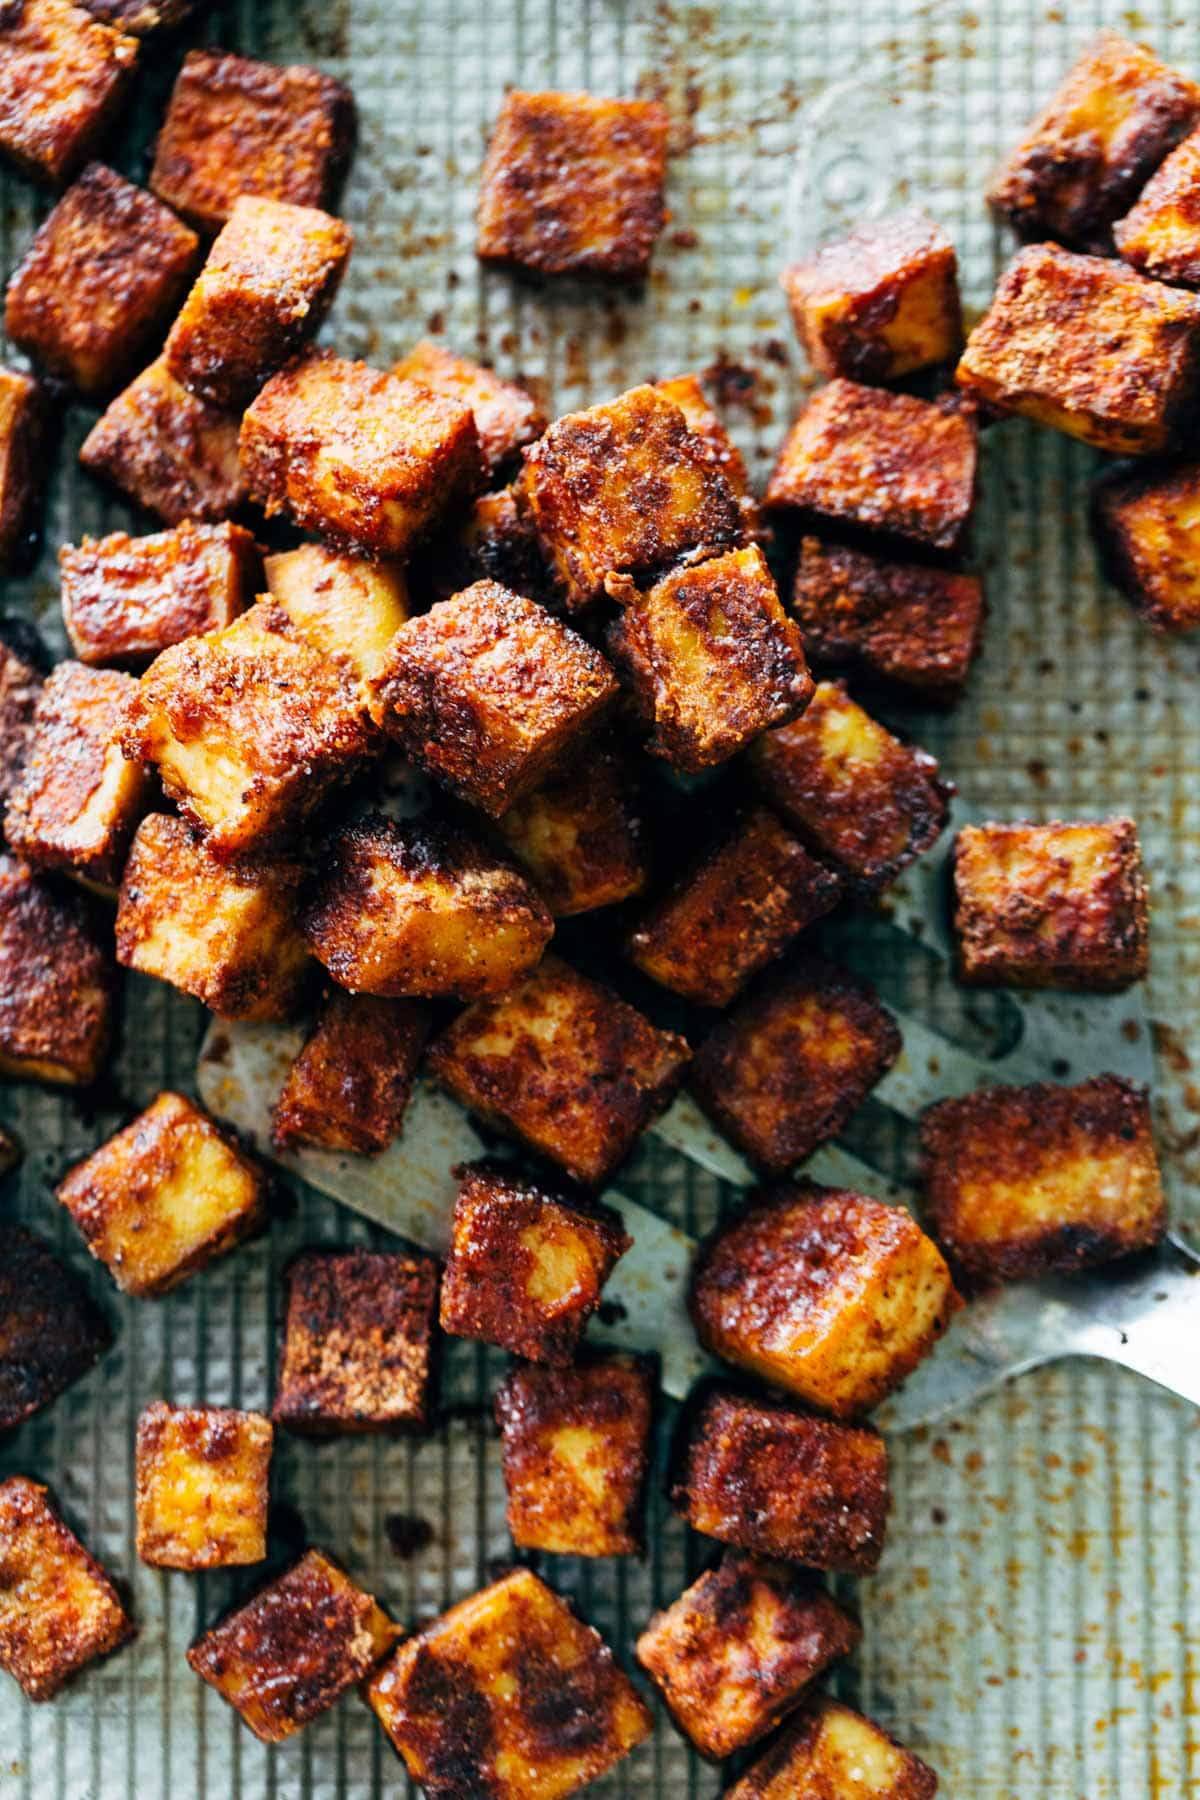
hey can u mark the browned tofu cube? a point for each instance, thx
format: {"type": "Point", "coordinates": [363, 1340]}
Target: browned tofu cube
{"type": "Point", "coordinates": [287, 1654]}
{"type": "Point", "coordinates": [827, 1294]}
{"type": "Point", "coordinates": [58, 1608]}
{"type": "Point", "coordinates": [100, 282]}
{"type": "Point", "coordinates": [57, 983]}
{"type": "Point", "coordinates": [625, 488]}
{"type": "Point", "coordinates": [1088, 347]}
{"type": "Point", "coordinates": [710, 657]}
{"type": "Point", "coordinates": [488, 692]}
{"type": "Point", "coordinates": [165, 1196]}
{"type": "Point", "coordinates": [24, 417]}
{"type": "Point", "coordinates": [141, 17]}
{"type": "Point", "coordinates": [1024, 1181]}
{"type": "Point", "coordinates": [738, 1649]}
{"type": "Point", "coordinates": [576, 1445]}
{"type": "Point", "coordinates": [349, 1087]}
{"type": "Point", "coordinates": [495, 540]}
{"type": "Point", "coordinates": [509, 1695]}
{"type": "Point", "coordinates": [63, 77]}
{"type": "Point", "coordinates": [579, 834]}
{"type": "Point", "coordinates": [126, 598]}
{"type": "Point", "coordinates": [345, 607]}
{"type": "Point", "coordinates": [882, 462]}
{"type": "Point", "coordinates": [51, 1332]}
{"type": "Point", "coordinates": [686, 392]}
{"type": "Point", "coordinates": [20, 685]}
{"type": "Point", "coordinates": [1147, 525]}
{"type": "Point", "coordinates": [862, 798]}
{"type": "Point", "coordinates": [880, 303]}
{"type": "Point", "coordinates": [1159, 235]}
{"type": "Point", "coordinates": [171, 453]}
{"type": "Point", "coordinates": [506, 416]}
{"type": "Point", "coordinates": [235, 126]}
{"type": "Point", "coordinates": [563, 1065]}
{"type": "Point", "coordinates": [1057, 905]}
{"type": "Point", "coordinates": [835, 1753]}
{"type": "Point", "coordinates": [358, 1342]}
{"type": "Point", "coordinates": [790, 1065]}
{"type": "Point", "coordinates": [1085, 157]}
{"type": "Point", "coordinates": [784, 1484]}
{"type": "Point", "coordinates": [573, 185]}
{"type": "Point", "coordinates": [201, 1475]}
{"type": "Point", "coordinates": [526, 1267]}
{"type": "Point", "coordinates": [734, 911]}
{"type": "Point", "coordinates": [78, 799]}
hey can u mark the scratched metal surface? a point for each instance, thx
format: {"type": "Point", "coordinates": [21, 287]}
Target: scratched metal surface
{"type": "Point", "coordinates": [1034, 1629]}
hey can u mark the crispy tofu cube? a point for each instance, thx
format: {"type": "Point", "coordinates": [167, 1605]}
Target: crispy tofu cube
{"type": "Point", "coordinates": [165, 1197]}
{"type": "Point", "coordinates": [24, 417]}
{"type": "Point", "coordinates": [711, 659]}
{"type": "Point", "coordinates": [63, 78]}
{"type": "Point", "coordinates": [488, 692]}
{"type": "Point", "coordinates": [881, 462]}
{"type": "Point", "coordinates": [1146, 521]}
{"type": "Point", "coordinates": [880, 303]}
{"type": "Point", "coordinates": [270, 279]}
{"type": "Point", "coordinates": [1025, 1181]}
{"type": "Point", "coordinates": [507, 416]}
{"type": "Point", "coordinates": [576, 1446]}
{"type": "Point", "coordinates": [141, 17]}
{"type": "Point", "coordinates": [57, 983]}
{"type": "Point", "coordinates": [20, 685]}
{"type": "Point", "coordinates": [859, 796]}
{"type": "Point", "coordinates": [1159, 236]}
{"type": "Point", "coordinates": [494, 541]}
{"type": "Point", "coordinates": [836, 1753]}
{"type": "Point", "coordinates": [573, 185]}
{"type": "Point", "coordinates": [564, 1066]}
{"type": "Point", "coordinates": [78, 799]}
{"type": "Point", "coordinates": [169, 452]}
{"type": "Point", "coordinates": [126, 598]}
{"type": "Point", "coordinates": [349, 1087]}
{"type": "Point", "coordinates": [826, 1294]}
{"type": "Point", "coordinates": [686, 392]}
{"type": "Point", "coordinates": [1085, 157]}
{"type": "Point", "coordinates": [782, 1483]}
{"type": "Point", "coordinates": [287, 1654]}
{"type": "Point", "coordinates": [1087, 347]}
{"type": "Point", "coordinates": [510, 1695]}
{"type": "Point", "coordinates": [100, 282]}
{"type": "Point", "coordinates": [737, 1650]}
{"type": "Point", "coordinates": [235, 126]}
{"type": "Point", "coordinates": [58, 1608]}
{"type": "Point", "coordinates": [343, 606]}
{"type": "Point", "coordinates": [358, 1342]}
{"type": "Point", "coordinates": [51, 1331]}
{"type": "Point", "coordinates": [201, 1476]}
{"type": "Point", "coordinates": [625, 488]}
{"type": "Point", "coordinates": [790, 1065]}
{"type": "Point", "coordinates": [751, 893]}
{"type": "Point", "coordinates": [579, 835]}
{"type": "Point", "coordinates": [526, 1267]}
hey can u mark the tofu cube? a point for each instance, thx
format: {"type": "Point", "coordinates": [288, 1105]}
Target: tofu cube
{"type": "Point", "coordinates": [625, 488]}
{"type": "Point", "coordinates": [270, 279]}
{"type": "Point", "coordinates": [141, 17]}
{"type": "Point", "coordinates": [686, 392]}
{"type": "Point", "coordinates": [346, 608]}
{"type": "Point", "coordinates": [507, 416]}
{"type": "Point", "coordinates": [509, 1695]}
{"type": "Point", "coordinates": [576, 1448]}
{"type": "Point", "coordinates": [362, 459]}
{"type": "Point", "coordinates": [564, 1066]}
{"type": "Point", "coordinates": [710, 659]}
{"type": "Point", "coordinates": [349, 1087]}
{"type": "Point", "coordinates": [494, 541]}
{"type": "Point", "coordinates": [51, 1331]}
{"type": "Point", "coordinates": [20, 685]}
{"type": "Point", "coordinates": [100, 282]}
{"type": "Point", "coordinates": [24, 417]}
{"type": "Point", "coordinates": [165, 1197]}
{"type": "Point", "coordinates": [1028, 1181]}
{"type": "Point", "coordinates": [126, 598]}
{"type": "Point", "coordinates": [1146, 521]}
{"type": "Point", "coordinates": [859, 796]}
{"type": "Point", "coordinates": [57, 983]}
{"type": "Point", "coordinates": [201, 1476]}
{"type": "Point", "coordinates": [832, 1751]}
{"type": "Point", "coordinates": [789, 1066]}
{"type": "Point", "coordinates": [579, 834]}
{"type": "Point", "coordinates": [572, 184]}
{"type": "Point", "coordinates": [1158, 236]}
{"type": "Point", "coordinates": [526, 1267]}
{"type": "Point", "coordinates": [826, 1294]}
{"type": "Point", "coordinates": [884, 463]}
{"type": "Point", "coordinates": [488, 692]}
{"type": "Point", "coordinates": [880, 303]}
{"type": "Point", "coordinates": [740, 1647]}
{"type": "Point", "coordinates": [1088, 153]}
{"type": "Point", "coordinates": [78, 800]}
{"type": "Point", "coordinates": [781, 1483]}
{"type": "Point", "coordinates": [63, 79]}
{"type": "Point", "coordinates": [167, 451]}
{"type": "Point", "coordinates": [58, 1608]}
{"type": "Point", "coordinates": [1088, 347]}
{"type": "Point", "coordinates": [358, 1343]}
{"type": "Point", "coordinates": [753, 891]}
{"type": "Point", "coordinates": [302, 1641]}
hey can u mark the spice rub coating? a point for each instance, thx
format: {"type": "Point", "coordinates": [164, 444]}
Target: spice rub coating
{"type": "Point", "coordinates": [57, 982]}
{"type": "Point", "coordinates": [349, 1087]}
